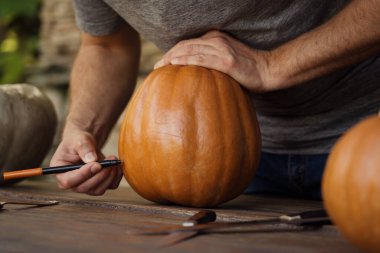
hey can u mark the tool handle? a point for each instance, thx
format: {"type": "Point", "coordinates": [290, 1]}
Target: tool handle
{"type": "Point", "coordinates": [317, 217]}
{"type": "Point", "coordinates": [318, 213]}
{"type": "Point", "coordinates": [201, 217]}
{"type": "Point", "coordinates": [31, 203]}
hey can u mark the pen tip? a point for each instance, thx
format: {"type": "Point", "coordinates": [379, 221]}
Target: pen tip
{"type": "Point", "coordinates": [110, 163]}
{"type": "Point", "coordinates": [115, 162]}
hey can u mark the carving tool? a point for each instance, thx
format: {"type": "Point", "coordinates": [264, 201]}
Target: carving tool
{"type": "Point", "coordinates": [313, 218]}
{"type": "Point", "coordinates": [29, 203]}
{"type": "Point", "coordinates": [201, 217]}
{"type": "Point", "coordinates": [19, 174]}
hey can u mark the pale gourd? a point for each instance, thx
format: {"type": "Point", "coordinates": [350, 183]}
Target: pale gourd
{"type": "Point", "coordinates": [27, 126]}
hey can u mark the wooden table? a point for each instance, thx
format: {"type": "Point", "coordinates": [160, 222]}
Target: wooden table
{"type": "Point", "coordinates": [100, 224]}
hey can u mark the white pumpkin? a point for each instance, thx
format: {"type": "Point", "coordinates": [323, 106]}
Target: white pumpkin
{"type": "Point", "coordinates": [27, 126]}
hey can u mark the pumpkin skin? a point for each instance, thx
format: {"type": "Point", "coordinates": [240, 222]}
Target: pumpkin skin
{"type": "Point", "coordinates": [190, 136]}
{"type": "Point", "coordinates": [351, 184]}
{"type": "Point", "coordinates": [27, 126]}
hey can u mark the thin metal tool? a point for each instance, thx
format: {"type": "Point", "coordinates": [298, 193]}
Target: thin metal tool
{"type": "Point", "coordinates": [18, 174]}
{"type": "Point", "coordinates": [309, 218]}
{"type": "Point", "coordinates": [201, 217]}
{"type": "Point", "coordinates": [29, 203]}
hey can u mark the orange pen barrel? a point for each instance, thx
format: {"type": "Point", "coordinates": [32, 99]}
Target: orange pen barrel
{"type": "Point", "coordinates": [22, 174]}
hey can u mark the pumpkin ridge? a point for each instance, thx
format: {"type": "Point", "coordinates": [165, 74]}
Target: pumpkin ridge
{"type": "Point", "coordinates": [245, 113]}
{"type": "Point", "coordinates": [177, 93]}
{"type": "Point", "coordinates": [153, 188]}
{"type": "Point", "coordinates": [204, 115]}
{"type": "Point", "coordinates": [133, 106]}
{"type": "Point", "coordinates": [221, 112]}
{"type": "Point", "coordinates": [195, 95]}
{"type": "Point", "coordinates": [139, 126]}
{"type": "Point", "coordinates": [223, 118]}
{"type": "Point", "coordinates": [191, 148]}
{"type": "Point", "coordinates": [160, 80]}
{"type": "Point", "coordinates": [243, 134]}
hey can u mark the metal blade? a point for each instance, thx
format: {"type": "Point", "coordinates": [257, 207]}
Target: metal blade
{"type": "Point", "coordinates": [29, 203]}
{"type": "Point", "coordinates": [201, 217]}
{"type": "Point", "coordinates": [219, 226]}
{"type": "Point", "coordinates": [177, 237]}
{"type": "Point", "coordinates": [201, 227]}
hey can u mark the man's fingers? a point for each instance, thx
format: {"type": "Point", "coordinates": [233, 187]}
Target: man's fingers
{"type": "Point", "coordinates": [193, 49]}
{"type": "Point", "coordinates": [100, 182]}
{"type": "Point", "coordinates": [198, 49]}
{"type": "Point", "coordinates": [74, 178]}
{"type": "Point", "coordinates": [196, 54]}
{"type": "Point", "coordinates": [118, 175]}
{"type": "Point", "coordinates": [207, 61]}
{"type": "Point", "coordinates": [186, 47]}
{"type": "Point", "coordinates": [104, 184]}
{"type": "Point", "coordinates": [85, 147]}
{"type": "Point", "coordinates": [90, 178]}
{"type": "Point", "coordinates": [86, 185]}
{"type": "Point", "coordinates": [116, 181]}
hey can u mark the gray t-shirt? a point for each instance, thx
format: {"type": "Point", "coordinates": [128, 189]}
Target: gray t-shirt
{"type": "Point", "coordinates": [305, 119]}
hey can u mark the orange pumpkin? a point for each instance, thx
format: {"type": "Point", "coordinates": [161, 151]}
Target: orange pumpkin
{"type": "Point", "coordinates": [190, 136]}
{"type": "Point", "coordinates": [351, 184]}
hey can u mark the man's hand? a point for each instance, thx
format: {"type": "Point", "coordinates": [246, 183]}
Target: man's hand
{"type": "Point", "coordinates": [76, 147]}
{"type": "Point", "coordinates": [349, 37]}
{"type": "Point", "coordinates": [217, 50]}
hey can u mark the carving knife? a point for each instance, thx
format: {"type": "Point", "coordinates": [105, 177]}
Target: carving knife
{"type": "Point", "coordinates": [29, 203]}
{"type": "Point", "coordinates": [201, 217]}
{"type": "Point", "coordinates": [309, 218]}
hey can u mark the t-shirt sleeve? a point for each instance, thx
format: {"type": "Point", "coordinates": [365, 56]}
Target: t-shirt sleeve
{"type": "Point", "coordinates": [95, 17]}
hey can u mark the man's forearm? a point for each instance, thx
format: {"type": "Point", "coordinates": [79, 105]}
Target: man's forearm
{"type": "Point", "coordinates": [348, 38]}
{"type": "Point", "coordinates": [102, 81]}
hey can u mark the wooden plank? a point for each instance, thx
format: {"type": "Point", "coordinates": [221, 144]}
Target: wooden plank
{"type": "Point", "coordinates": [100, 224]}
{"type": "Point", "coordinates": [242, 208]}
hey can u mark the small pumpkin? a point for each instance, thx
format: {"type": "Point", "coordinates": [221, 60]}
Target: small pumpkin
{"type": "Point", "coordinates": [351, 184]}
{"type": "Point", "coordinates": [27, 126]}
{"type": "Point", "coordinates": [190, 136]}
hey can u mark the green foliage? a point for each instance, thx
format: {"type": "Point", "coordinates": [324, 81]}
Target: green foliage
{"type": "Point", "coordinates": [12, 67]}
{"type": "Point", "coordinates": [19, 28]}
{"type": "Point", "coordinates": [9, 9]}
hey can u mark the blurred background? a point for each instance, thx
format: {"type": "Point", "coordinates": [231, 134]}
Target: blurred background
{"type": "Point", "coordinates": [38, 44]}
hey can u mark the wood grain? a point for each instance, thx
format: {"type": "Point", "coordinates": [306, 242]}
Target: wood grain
{"type": "Point", "coordinates": [100, 224]}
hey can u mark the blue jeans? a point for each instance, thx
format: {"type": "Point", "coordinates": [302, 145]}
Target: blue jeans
{"type": "Point", "coordinates": [289, 175]}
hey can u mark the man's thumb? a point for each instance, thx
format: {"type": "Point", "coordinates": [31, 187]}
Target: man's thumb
{"type": "Point", "coordinates": [86, 150]}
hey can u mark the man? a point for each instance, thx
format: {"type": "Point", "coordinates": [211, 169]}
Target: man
{"type": "Point", "coordinates": [312, 69]}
